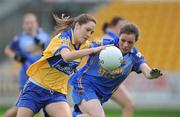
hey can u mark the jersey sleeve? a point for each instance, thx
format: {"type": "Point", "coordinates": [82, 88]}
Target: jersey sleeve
{"type": "Point", "coordinates": [138, 59]}
{"type": "Point", "coordinates": [56, 45]}
{"type": "Point", "coordinates": [44, 37]}
{"type": "Point", "coordinates": [107, 40]}
{"type": "Point", "coordinates": [14, 44]}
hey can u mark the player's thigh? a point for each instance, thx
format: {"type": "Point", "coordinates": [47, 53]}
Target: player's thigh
{"type": "Point", "coordinates": [92, 107]}
{"type": "Point", "coordinates": [24, 112]}
{"type": "Point", "coordinates": [122, 96]}
{"type": "Point", "coordinates": [59, 109]}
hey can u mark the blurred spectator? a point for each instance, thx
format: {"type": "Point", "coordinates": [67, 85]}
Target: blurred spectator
{"type": "Point", "coordinates": [26, 48]}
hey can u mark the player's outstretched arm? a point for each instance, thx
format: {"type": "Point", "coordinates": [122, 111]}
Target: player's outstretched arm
{"type": "Point", "coordinates": [67, 55]}
{"type": "Point", "coordinates": [150, 73]}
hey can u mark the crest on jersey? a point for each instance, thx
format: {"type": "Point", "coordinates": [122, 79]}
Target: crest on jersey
{"type": "Point", "coordinates": [64, 41]}
{"type": "Point", "coordinates": [139, 55]}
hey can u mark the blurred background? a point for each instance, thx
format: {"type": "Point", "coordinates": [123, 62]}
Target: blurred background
{"type": "Point", "coordinates": [159, 21]}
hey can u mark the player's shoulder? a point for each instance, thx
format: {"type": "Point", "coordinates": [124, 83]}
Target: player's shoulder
{"type": "Point", "coordinates": [66, 34]}
{"type": "Point", "coordinates": [42, 32]}
{"type": "Point", "coordinates": [21, 35]}
{"type": "Point", "coordinates": [63, 37]}
{"type": "Point", "coordinates": [17, 37]}
{"type": "Point", "coordinates": [136, 53]}
{"type": "Point", "coordinates": [134, 50]}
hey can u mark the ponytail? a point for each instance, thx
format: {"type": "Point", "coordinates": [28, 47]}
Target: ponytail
{"type": "Point", "coordinates": [66, 22]}
{"type": "Point", "coordinates": [62, 23]}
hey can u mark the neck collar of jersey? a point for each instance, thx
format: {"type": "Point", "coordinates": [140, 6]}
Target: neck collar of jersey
{"type": "Point", "coordinates": [71, 36]}
{"type": "Point", "coordinates": [70, 33]}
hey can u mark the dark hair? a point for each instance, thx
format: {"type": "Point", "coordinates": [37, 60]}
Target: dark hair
{"type": "Point", "coordinates": [112, 23]}
{"type": "Point", "coordinates": [63, 24]}
{"type": "Point", "coordinates": [115, 21]}
{"type": "Point", "coordinates": [130, 29]}
{"type": "Point", "coordinates": [104, 27]}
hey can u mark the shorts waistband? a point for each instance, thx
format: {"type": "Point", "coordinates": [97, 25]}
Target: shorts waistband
{"type": "Point", "coordinates": [36, 83]}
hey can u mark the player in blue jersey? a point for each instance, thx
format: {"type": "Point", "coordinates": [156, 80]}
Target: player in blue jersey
{"type": "Point", "coordinates": [121, 96]}
{"type": "Point", "coordinates": [93, 85]}
{"type": "Point", "coordinates": [26, 48]}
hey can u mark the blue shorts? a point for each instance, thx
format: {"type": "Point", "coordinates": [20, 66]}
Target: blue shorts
{"type": "Point", "coordinates": [35, 97]}
{"type": "Point", "coordinates": [79, 94]}
{"type": "Point", "coordinates": [87, 91]}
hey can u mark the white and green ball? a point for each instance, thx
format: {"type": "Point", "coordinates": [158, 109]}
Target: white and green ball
{"type": "Point", "coordinates": [110, 58]}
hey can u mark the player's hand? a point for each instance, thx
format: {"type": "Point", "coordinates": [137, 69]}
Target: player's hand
{"type": "Point", "coordinates": [155, 73]}
{"type": "Point", "coordinates": [38, 42]}
{"type": "Point", "coordinates": [98, 49]}
{"type": "Point", "coordinates": [20, 58]}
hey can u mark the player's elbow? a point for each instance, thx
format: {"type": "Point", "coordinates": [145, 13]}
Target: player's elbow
{"type": "Point", "coordinates": [6, 50]}
{"type": "Point", "coordinates": [66, 58]}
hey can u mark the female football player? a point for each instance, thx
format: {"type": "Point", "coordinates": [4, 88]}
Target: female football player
{"type": "Point", "coordinates": [48, 77]}
{"type": "Point", "coordinates": [94, 85]}
{"type": "Point", "coordinates": [121, 96]}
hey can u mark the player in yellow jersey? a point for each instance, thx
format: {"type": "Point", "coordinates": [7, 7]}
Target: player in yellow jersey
{"type": "Point", "coordinates": [48, 77]}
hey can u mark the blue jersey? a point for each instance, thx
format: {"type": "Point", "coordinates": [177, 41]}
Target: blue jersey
{"type": "Point", "coordinates": [24, 41]}
{"type": "Point", "coordinates": [109, 38]}
{"type": "Point", "coordinates": [113, 36]}
{"type": "Point", "coordinates": [94, 82]}
{"type": "Point", "coordinates": [104, 82]}
{"type": "Point", "coordinates": [22, 44]}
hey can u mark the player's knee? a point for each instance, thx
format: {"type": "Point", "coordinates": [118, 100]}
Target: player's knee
{"type": "Point", "coordinates": [129, 105]}
{"type": "Point", "coordinates": [83, 115]}
{"type": "Point", "coordinates": [98, 114]}
{"type": "Point", "coordinates": [11, 112]}
{"type": "Point", "coordinates": [93, 113]}
{"type": "Point", "coordinates": [7, 114]}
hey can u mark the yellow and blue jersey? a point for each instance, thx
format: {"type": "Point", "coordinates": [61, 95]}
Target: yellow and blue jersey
{"type": "Point", "coordinates": [51, 71]}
